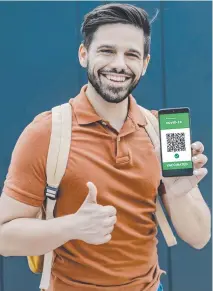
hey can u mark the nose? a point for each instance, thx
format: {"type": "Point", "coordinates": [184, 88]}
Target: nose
{"type": "Point", "coordinates": [119, 63]}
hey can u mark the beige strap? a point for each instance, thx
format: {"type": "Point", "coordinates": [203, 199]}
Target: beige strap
{"type": "Point", "coordinates": [153, 132]}
{"type": "Point", "coordinates": [59, 144]}
{"type": "Point", "coordinates": [58, 154]}
{"type": "Point", "coordinates": [46, 273]}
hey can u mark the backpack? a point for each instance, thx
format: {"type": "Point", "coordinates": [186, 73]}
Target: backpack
{"type": "Point", "coordinates": [59, 148]}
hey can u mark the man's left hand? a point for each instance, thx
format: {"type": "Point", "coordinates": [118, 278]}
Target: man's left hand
{"type": "Point", "coordinates": [181, 185]}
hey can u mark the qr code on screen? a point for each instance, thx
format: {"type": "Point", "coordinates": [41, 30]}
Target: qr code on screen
{"type": "Point", "coordinates": [176, 142]}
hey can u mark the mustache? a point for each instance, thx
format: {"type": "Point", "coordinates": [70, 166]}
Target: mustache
{"type": "Point", "coordinates": [118, 73]}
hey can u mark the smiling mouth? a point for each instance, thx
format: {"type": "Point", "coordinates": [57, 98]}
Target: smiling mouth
{"type": "Point", "coordinates": [116, 78]}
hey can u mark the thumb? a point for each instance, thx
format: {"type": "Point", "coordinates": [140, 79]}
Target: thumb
{"type": "Point", "coordinates": [92, 195]}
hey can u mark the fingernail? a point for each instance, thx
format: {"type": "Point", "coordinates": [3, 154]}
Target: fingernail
{"type": "Point", "coordinates": [194, 158]}
{"type": "Point", "coordinates": [194, 144]}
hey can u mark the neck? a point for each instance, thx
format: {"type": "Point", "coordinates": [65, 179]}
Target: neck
{"type": "Point", "coordinates": [114, 113]}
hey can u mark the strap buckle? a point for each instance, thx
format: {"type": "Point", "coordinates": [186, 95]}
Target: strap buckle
{"type": "Point", "coordinates": [51, 192]}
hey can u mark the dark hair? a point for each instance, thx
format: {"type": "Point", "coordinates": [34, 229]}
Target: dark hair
{"type": "Point", "coordinates": [116, 13]}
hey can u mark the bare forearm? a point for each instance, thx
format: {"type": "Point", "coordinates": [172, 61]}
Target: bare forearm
{"type": "Point", "coordinates": [191, 217]}
{"type": "Point", "coordinates": [25, 236]}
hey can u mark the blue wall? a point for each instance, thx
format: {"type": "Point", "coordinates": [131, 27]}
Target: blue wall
{"type": "Point", "coordinates": [39, 69]}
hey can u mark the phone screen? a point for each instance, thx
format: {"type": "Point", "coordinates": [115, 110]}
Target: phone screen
{"type": "Point", "coordinates": [175, 137]}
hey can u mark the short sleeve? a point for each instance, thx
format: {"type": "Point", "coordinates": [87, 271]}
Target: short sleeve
{"type": "Point", "coordinates": [26, 177]}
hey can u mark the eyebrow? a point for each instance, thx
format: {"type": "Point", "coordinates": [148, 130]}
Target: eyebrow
{"type": "Point", "coordinates": [113, 47]}
{"type": "Point", "coordinates": [106, 46]}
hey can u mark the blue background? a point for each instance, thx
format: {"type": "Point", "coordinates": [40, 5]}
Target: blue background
{"type": "Point", "coordinates": [39, 69]}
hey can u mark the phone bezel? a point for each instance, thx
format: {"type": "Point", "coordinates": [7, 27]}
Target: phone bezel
{"type": "Point", "coordinates": [177, 172]}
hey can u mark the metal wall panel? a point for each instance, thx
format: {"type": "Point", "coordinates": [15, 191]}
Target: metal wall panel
{"type": "Point", "coordinates": [188, 75]}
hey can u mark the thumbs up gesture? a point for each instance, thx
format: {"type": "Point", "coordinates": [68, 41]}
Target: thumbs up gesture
{"type": "Point", "coordinates": [94, 223]}
{"type": "Point", "coordinates": [92, 195]}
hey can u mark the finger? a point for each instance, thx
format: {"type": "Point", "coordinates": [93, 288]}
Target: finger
{"type": "Point", "coordinates": [197, 147]}
{"type": "Point", "coordinates": [94, 208]}
{"type": "Point", "coordinates": [108, 230]}
{"type": "Point", "coordinates": [110, 221]}
{"type": "Point", "coordinates": [92, 194]}
{"type": "Point", "coordinates": [109, 210]}
{"type": "Point", "coordinates": [104, 240]}
{"type": "Point", "coordinates": [107, 238]}
{"type": "Point", "coordinates": [199, 174]}
{"type": "Point", "coordinates": [199, 161]}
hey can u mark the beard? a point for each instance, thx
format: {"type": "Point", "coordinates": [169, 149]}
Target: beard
{"type": "Point", "coordinates": [110, 93]}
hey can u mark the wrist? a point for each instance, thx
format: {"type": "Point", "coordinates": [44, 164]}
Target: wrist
{"type": "Point", "coordinates": [67, 227]}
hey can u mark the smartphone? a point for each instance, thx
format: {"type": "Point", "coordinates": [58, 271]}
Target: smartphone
{"type": "Point", "coordinates": [175, 141]}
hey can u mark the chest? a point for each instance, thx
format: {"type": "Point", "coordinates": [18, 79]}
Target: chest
{"type": "Point", "coordinates": [124, 169]}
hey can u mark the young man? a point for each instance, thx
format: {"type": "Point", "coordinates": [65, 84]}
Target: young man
{"type": "Point", "coordinates": [104, 239]}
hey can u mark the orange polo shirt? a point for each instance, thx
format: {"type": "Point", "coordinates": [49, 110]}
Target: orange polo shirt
{"type": "Point", "coordinates": [126, 172]}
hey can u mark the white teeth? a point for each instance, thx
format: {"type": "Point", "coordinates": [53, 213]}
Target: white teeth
{"type": "Point", "coordinates": [115, 78]}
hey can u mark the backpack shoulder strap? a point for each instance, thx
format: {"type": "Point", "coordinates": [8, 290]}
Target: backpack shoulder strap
{"type": "Point", "coordinates": [153, 132]}
{"type": "Point", "coordinates": [57, 158]}
{"type": "Point", "coordinates": [152, 129]}
{"type": "Point", "coordinates": [59, 144]}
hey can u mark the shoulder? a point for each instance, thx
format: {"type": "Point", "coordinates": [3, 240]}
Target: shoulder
{"type": "Point", "coordinates": [34, 140]}
{"type": "Point", "coordinates": [41, 124]}
{"type": "Point", "coordinates": [38, 129]}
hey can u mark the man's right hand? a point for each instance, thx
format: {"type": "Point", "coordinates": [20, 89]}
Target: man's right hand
{"type": "Point", "coordinates": [94, 223]}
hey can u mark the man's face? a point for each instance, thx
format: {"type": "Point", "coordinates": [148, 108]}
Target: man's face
{"type": "Point", "coordinates": [115, 61]}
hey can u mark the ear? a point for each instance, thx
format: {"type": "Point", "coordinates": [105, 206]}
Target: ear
{"type": "Point", "coordinates": [145, 64]}
{"type": "Point", "coordinates": [82, 55]}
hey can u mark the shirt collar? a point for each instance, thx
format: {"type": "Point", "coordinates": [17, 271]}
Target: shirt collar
{"type": "Point", "coordinates": [86, 114]}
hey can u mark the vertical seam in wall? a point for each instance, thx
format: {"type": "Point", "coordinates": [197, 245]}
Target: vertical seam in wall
{"type": "Point", "coordinates": [163, 60]}
{"type": "Point", "coordinates": [1, 274]}
{"type": "Point", "coordinates": [163, 53]}
{"type": "Point", "coordinates": [78, 40]}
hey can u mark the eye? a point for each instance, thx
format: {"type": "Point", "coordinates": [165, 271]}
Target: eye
{"type": "Point", "coordinates": [106, 51]}
{"type": "Point", "coordinates": [132, 55]}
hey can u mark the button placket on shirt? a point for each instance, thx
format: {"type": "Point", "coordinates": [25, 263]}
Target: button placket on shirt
{"type": "Point", "coordinates": [122, 154]}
